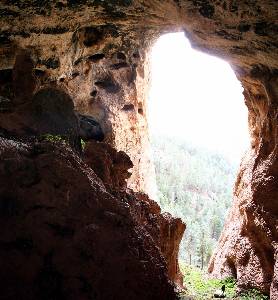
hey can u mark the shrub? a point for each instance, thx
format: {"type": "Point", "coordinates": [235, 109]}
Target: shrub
{"type": "Point", "coordinates": [53, 138]}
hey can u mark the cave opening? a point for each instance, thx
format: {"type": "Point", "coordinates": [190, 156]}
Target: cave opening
{"type": "Point", "coordinates": [199, 133]}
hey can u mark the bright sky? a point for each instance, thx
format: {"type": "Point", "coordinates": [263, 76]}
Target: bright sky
{"type": "Point", "coordinates": [197, 97]}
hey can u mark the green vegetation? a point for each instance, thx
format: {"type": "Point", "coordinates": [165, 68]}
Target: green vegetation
{"type": "Point", "coordinates": [253, 294]}
{"type": "Point", "coordinates": [83, 144]}
{"type": "Point", "coordinates": [200, 287]}
{"type": "Point", "coordinates": [196, 185]}
{"type": "Point", "coordinates": [53, 138]}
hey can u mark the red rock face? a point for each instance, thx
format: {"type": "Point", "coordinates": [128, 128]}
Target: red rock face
{"type": "Point", "coordinates": [245, 249]}
{"type": "Point", "coordinates": [70, 232]}
{"type": "Point", "coordinates": [63, 236]}
{"type": "Point", "coordinates": [274, 284]}
{"type": "Point", "coordinates": [165, 230]}
{"type": "Point", "coordinates": [248, 245]}
{"type": "Point", "coordinates": [111, 166]}
{"type": "Point", "coordinates": [96, 54]}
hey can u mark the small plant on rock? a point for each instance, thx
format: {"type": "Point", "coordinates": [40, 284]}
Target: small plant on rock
{"type": "Point", "coordinates": [253, 294]}
{"type": "Point", "coordinates": [83, 144]}
{"type": "Point", "coordinates": [53, 138]}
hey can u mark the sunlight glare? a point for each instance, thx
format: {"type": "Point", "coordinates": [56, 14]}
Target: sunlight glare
{"type": "Point", "coordinates": [197, 97]}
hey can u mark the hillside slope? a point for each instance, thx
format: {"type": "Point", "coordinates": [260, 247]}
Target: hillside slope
{"type": "Point", "coordinates": [196, 185]}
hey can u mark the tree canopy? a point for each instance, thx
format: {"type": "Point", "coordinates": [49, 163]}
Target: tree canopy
{"type": "Point", "coordinates": [196, 185]}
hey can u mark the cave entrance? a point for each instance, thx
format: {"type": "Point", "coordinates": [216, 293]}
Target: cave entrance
{"type": "Point", "coordinates": [199, 132]}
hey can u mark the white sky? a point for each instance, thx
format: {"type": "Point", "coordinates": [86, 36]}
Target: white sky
{"type": "Point", "coordinates": [197, 97]}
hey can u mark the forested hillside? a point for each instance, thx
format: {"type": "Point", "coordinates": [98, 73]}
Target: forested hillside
{"type": "Point", "coordinates": [196, 185]}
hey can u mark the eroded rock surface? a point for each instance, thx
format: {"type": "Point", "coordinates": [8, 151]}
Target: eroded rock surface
{"type": "Point", "coordinates": [165, 230]}
{"type": "Point", "coordinates": [248, 245]}
{"type": "Point", "coordinates": [112, 167]}
{"type": "Point", "coordinates": [63, 236]}
{"type": "Point", "coordinates": [97, 53]}
{"type": "Point", "coordinates": [90, 129]}
{"type": "Point", "coordinates": [50, 247]}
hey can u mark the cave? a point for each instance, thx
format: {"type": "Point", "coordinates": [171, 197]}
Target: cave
{"type": "Point", "coordinates": [78, 222]}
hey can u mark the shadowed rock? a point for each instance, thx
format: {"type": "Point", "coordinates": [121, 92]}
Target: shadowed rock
{"type": "Point", "coordinates": [66, 237]}
{"type": "Point", "coordinates": [24, 82]}
{"type": "Point", "coordinates": [52, 113]}
{"type": "Point", "coordinates": [110, 165]}
{"type": "Point", "coordinates": [90, 129]}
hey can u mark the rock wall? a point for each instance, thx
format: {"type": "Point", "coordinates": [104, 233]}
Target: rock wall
{"type": "Point", "coordinates": [112, 168]}
{"type": "Point", "coordinates": [96, 52]}
{"type": "Point", "coordinates": [104, 69]}
{"type": "Point", "coordinates": [248, 245]}
{"type": "Point", "coordinates": [64, 236]}
{"type": "Point", "coordinates": [70, 229]}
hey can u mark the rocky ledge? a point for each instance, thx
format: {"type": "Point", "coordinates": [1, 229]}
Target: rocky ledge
{"type": "Point", "coordinates": [65, 235]}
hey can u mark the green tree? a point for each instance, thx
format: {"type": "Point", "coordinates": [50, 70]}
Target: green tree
{"type": "Point", "coordinates": [196, 185]}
